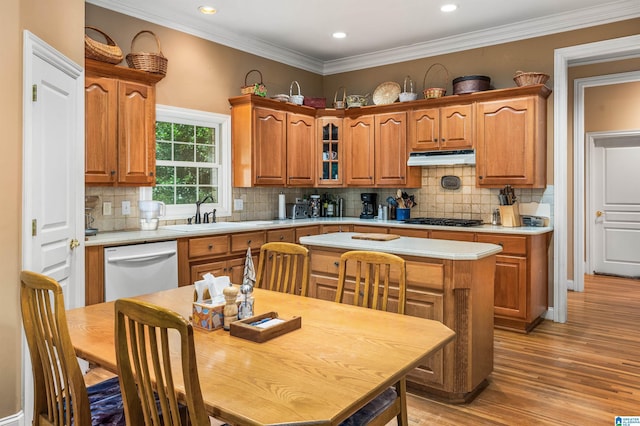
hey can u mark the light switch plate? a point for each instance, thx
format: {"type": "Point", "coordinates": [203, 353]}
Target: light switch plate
{"type": "Point", "coordinates": [106, 208]}
{"type": "Point", "coordinates": [126, 208]}
{"type": "Point", "coordinates": [238, 204]}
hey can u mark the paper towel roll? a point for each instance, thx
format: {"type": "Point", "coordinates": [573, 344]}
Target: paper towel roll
{"type": "Point", "coordinates": [282, 207]}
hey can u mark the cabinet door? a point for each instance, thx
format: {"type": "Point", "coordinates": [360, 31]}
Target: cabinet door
{"type": "Point", "coordinates": [330, 171]}
{"type": "Point", "coordinates": [510, 288]}
{"type": "Point", "coordinates": [301, 150]}
{"type": "Point", "coordinates": [136, 134]}
{"type": "Point", "coordinates": [359, 150]}
{"type": "Point", "coordinates": [391, 149]}
{"type": "Point", "coordinates": [456, 127]}
{"type": "Point", "coordinates": [505, 142]}
{"type": "Point", "coordinates": [424, 129]}
{"type": "Point", "coordinates": [269, 149]}
{"type": "Point", "coordinates": [101, 130]}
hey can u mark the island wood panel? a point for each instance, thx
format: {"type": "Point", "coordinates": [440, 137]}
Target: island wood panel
{"type": "Point", "coordinates": [458, 293]}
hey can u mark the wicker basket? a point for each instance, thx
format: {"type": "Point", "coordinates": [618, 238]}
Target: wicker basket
{"type": "Point", "coordinates": [154, 63]}
{"type": "Point", "coordinates": [253, 89]}
{"type": "Point", "coordinates": [529, 78]}
{"type": "Point", "coordinates": [435, 92]}
{"type": "Point", "coordinates": [109, 52]}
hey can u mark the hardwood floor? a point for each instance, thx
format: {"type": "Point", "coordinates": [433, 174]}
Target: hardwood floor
{"type": "Point", "coordinates": [584, 372]}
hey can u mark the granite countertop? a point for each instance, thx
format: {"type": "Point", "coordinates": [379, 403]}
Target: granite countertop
{"type": "Point", "coordinates": [170, 233]}
{"type": "Point", "coordinates": [408, 246]}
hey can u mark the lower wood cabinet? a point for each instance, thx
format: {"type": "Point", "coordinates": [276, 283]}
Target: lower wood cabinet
{"type": "Point", "coordinates": [456, 293]}
{"type": "Point", "coordinates": [521, 287]}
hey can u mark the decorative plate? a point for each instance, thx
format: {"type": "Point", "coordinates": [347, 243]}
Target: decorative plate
{"type": "Point", "coordinates": [386, 93]}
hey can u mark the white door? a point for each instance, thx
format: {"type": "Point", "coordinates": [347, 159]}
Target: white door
{"type": "Point", "coordinates": [614, 213]}
{"type": "Point", "coordinates": [53, 177]}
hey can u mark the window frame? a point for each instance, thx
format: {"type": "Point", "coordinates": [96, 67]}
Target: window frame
{"type": "Point", "coordinates": [222, 123]}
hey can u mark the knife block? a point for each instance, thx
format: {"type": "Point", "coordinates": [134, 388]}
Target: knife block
{"type": "Point", "coordinates": [510, 215]}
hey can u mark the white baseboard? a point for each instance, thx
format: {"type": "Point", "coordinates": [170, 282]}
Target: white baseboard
{"type": "Point", "coordinates": [15, 420]}
{"type": "Point", "coordinates": [549, 314]}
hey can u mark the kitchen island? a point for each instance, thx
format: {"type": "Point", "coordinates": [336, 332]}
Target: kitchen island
{"type": "Point", "coordinates": [448, 281]}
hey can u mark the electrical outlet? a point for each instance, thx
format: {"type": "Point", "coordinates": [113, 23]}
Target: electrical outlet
{"type": "Point", "coordinates": [106, 208]}
{"type": "Point", "coordinates": [126, 208]}
{"type": "Point", "coordinates": [238, 204]}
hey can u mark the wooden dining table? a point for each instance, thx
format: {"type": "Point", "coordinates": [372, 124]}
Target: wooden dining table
{"type": "Point", "coordinates": [340, 358]}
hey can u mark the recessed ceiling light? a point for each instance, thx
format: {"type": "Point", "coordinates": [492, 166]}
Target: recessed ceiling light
{"type": "Point", "coordinates": [339, 34]}
{"type": "Point", "coordinates": [448, 8]}
{"type": "Point", "coordinates": [207, 10]}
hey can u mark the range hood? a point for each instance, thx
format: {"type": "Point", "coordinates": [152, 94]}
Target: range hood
{"type": "Point", "coordinates": [463, 157]}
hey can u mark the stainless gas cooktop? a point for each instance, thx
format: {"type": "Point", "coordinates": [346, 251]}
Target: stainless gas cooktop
{"type": "Point", "coordinates": [441, 221]}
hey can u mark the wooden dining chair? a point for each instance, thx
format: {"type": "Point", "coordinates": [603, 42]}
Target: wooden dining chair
{"type": "Point", "coordinates": [372, 279]}
{"type": "Point", "coordinates": [146, 336]}
{"type": "Point", "coordinates": [61, 396]}
{"type": "Point", "coordinates": [283, 267]}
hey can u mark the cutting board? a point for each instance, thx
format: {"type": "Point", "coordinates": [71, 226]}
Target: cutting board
{"type": "Point", "coordinates": [375, 237]}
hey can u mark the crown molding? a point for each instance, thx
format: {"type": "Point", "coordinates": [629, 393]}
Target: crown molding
{"type": "Point", "coordinates": [584, 18]}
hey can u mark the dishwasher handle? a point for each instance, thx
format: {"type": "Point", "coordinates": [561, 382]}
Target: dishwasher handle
{"type": "Point", "coordinates": [142, 257]}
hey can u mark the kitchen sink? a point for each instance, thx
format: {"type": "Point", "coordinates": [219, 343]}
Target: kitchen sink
{"type": "Point", "coordinates": [209, 226]}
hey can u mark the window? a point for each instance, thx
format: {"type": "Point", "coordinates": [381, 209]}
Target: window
{"type": "Point", "coordinates": [193, 161]}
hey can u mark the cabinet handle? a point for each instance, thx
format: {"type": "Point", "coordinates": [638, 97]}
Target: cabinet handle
{"type": "Point", "coordinates": [210, 246]}
{"type": "Point", "coordinates": [281, 237]}
{"type": "Point", "coordinates": [479, 177]}
{"type": "Point", "coordinates": [113, 172]}
{"type": "Point", "coordinates": [248, 242]}
{"type": "Point", "coordinates": [336, 263]}
{"type": "Point", "coordinates": [500, 244]}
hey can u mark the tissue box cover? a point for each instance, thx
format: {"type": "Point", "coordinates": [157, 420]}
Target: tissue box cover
{"type": "Point", "coordinates": [208, 314]}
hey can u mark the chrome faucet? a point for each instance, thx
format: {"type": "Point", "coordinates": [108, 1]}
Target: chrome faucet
{"type": "Point", "coordinates": [198, 217]}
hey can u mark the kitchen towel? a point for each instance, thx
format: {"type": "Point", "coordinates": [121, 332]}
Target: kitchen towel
{"type": "Point", "coordinates": [282, 210]}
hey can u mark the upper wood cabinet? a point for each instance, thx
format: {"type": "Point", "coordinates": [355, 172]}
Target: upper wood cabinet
{"type": "Point", "coordinates": [301, 150]}
{"type": "Point", "coordinates": [376, 151]}
{"type": "Point", "coordinates": [273, 144]}
{"type": "Point", "coordinates": [282, 144]}
{"type": "Point", "coordinates": [391, 150]}
{"type": "Point", "coordinates": [448, 127]}
{"type": "Point", "coordinates": [359, 145]}
{"type": "Point", "coordinates": [120, 107]}
{"type": "Point", "coordinates": [269, 147]}
{"type": "Point", "coordinates": [511, 141]}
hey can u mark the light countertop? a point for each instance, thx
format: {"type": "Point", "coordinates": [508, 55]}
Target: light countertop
{"type": "Point", "coordinates": [408, 246]}
{"type": "Point", "coordinates": [162, 233]}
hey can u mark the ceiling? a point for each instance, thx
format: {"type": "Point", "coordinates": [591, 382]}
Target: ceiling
{"type": "Point", "coordinates": [379, 32]}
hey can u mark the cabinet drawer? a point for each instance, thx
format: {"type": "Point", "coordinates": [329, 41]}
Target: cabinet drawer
{"type": "Point", "coordinates": [305, 231]}
{"type": "Point", "coordinates": [327, 229]}
{"type": "Point", "coordinates": [410, 232]}
{"type": "Point", "coordinates": [425, 275]}
{"type": "Point", "coordinates": [281, 235]}
{"type": "Point", "coordinates": [511, 244]}
{"type": "Point", "coordinates": [208, 246]}
{"type": "Point", "coordinates": [240, 242]}
{"type": "Point", "coordinates": [452, 235]}
{"type": "Point", "coordinates": [370, 228]}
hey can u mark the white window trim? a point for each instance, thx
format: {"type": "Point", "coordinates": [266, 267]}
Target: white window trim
{"type": "Point", "coordinates": [204, 119]}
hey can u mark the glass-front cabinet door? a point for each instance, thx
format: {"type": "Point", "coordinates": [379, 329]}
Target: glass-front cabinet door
{"type": "Point", "coordinates": [330, 172]}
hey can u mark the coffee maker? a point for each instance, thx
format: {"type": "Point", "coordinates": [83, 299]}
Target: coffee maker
{"type": "Point", "coordinates": [369, 202]}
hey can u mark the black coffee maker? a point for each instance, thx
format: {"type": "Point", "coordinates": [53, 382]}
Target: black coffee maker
{"type": "Point", "coordinates": [369, 202]}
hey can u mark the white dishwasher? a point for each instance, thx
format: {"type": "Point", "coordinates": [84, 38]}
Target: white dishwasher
{"type": "Point", "coordinates": [137, 269]}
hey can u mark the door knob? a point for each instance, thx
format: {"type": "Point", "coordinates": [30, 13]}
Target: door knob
{"type": "Point", "coordinates": [599, 213]}
{"type": "Point", "coordinates": [73, 244]}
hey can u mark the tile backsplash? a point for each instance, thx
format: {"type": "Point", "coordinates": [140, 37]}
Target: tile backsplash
{"type": "Point", "coordinates": [466, 202]}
